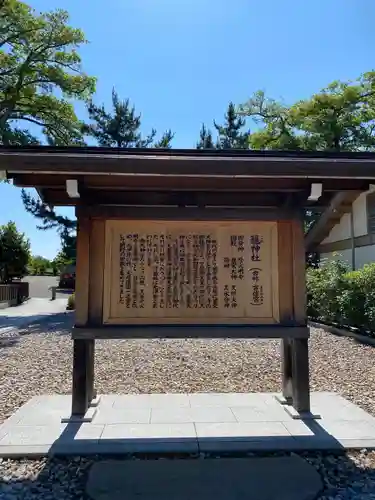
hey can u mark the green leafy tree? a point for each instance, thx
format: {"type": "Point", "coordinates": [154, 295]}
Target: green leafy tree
{"type": "Point", "coordinates": [64, 258]}
{"type": "Point", "coordinates": [40, 72]}
{"type": "Point", "coordinates": [121, 128]}
{"type": "Point", "coordinates": [14, 253]}
{"type": "Point", "coordinates": [275, 126]}
{"type": "Point", "coordinates": [68, 247]}
{"type": "Point", "coordinates": [39, 266]}
{"type": "Point", "coordinates": [341, 117]}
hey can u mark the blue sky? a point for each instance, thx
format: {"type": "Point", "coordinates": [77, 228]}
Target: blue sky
{"type": "Point", "coordinates": [181, 61]}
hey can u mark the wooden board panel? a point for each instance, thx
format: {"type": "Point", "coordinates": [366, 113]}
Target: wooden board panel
{"type": "Point", "coordinates": [195, 272]}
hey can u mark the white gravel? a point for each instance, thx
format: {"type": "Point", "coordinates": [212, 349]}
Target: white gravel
{"type": "Point", "coordinates": [40, 363]}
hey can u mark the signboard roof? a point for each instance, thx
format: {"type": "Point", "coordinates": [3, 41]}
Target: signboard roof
{"type": "Point", "coordinates": [190, 177]}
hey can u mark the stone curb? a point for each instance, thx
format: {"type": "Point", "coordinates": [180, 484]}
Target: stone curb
{"type": "Point", "coordinates": [363, 339]}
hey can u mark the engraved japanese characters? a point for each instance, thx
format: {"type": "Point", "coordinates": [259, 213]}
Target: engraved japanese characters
{"type": "Point", "coordinates": [192, 271]}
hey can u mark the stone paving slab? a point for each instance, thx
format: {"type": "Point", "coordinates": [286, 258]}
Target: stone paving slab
{"type": "Point", "coordinates": [292, 479]}
{"type": "Point", "coordinates": [31, 310]}
{"type": "Point", "coordinates": [35, 310]}
{"type": "Point", "coordinates": [184, 423]}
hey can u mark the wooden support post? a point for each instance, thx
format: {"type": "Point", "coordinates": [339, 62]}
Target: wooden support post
{"type": "Point", "coordinates": [284, 238]}
{"type": "Point", "coordinates": [300, 379]}
{"type": "Point", "coordinates": [83, 376]}
{"type": "Point", "coordinates": [83, 350]}
{"type": "Point", "coordinates": [82, 271]}
{"type": "Point", "coordinates": [286, 366]}
{"type": "Point", "coordinates": [299, 273]}
{"type": "Point", "coordinates": [300, 348]}
{"type": "Point", "coordinates": [90, 371]}
{"type": "Point", "coordinates": [96, 283]}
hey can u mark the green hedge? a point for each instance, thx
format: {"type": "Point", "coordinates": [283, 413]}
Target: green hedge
{"type": "Point", "coordinates": [71, 302]}
{"type": "Point", "coordinates": [337, 295]}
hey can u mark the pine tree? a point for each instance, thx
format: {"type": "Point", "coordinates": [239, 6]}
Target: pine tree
{"type": "Point", "coordinates": [121, 128]}
{"type": "Point", "coordinates": [14, 136]}
{"type": "Point", "coordinates": [205, 139]}
{"type": "Point", "coordinates": [231, 134]}
{"type": "Point", "coordinates": [165, 141]}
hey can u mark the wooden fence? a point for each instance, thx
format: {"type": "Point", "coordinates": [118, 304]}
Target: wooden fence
{"type": "Point", "coordinates": [13, 293]}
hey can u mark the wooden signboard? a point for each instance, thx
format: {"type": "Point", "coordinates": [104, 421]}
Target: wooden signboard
{"type": "Point", "coordinates": [198, 272]}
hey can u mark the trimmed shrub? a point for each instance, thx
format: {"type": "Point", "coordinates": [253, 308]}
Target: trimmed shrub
{"type": "Point", "coordinates": [325, 286]}
{"type": "Point", "coordinates": [359, 303]}
{"type": "Point", "coordinates": [337, 295]}
{"type": "Point", "coordinates": [71, 302]}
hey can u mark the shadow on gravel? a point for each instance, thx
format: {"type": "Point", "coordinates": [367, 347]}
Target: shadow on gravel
{"type": "Point", "coordinates": [60, 324]}
{"type": "Point", "coordinates": [66, 477]}
{"type": "Point", "coordinates": [192, 477]}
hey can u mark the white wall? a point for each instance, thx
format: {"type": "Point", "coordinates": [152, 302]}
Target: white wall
{"type": "Point", "coordinates": [345, 255]}
{"type": "Point", "coordinates": [360, 215]}
{"type": "Point", "coordinates": [363, 255]}
{"type": "Point", "coordinates": [342, 230]}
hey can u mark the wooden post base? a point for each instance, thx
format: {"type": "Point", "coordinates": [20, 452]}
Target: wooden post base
{"type": "Point", "coordinates": [295, 374]}
{"type": "Point", "coordinates": [286, 366]}
{"type": "Point", "coordinates": [83, 376]}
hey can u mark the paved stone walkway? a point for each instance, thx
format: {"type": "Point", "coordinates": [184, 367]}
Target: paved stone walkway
{"type": "Point", "coordinates": [34, 309]}
{"type": "Point", "coordinates": [184, 423]}
{"type": "Point", "coordinates": [274, 478]}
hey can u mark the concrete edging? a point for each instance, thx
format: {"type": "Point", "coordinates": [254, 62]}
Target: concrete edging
{"type": "Point", "coordinates": [363, 339]}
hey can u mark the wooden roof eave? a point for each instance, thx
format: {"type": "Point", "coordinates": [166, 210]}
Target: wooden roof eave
{"type": "Point", "coordinates": [188, 163]}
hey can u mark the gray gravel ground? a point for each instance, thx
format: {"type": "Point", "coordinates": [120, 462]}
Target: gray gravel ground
{"type": "Point", "coordinates": [40, 363]}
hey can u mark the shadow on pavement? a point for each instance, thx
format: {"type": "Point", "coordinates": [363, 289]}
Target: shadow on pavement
{"type": "Point", "coordinates": [64, 291]}
{"type": "Point", "coordinates": [67, 477]}
{"type": "Point", "coordinates": [59, 323]}
{"type": "Point", "coordinates": [194, 475]}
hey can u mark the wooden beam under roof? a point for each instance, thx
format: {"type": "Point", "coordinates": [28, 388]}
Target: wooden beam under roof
{"type": "Point", "coordinates": [198, 184]}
